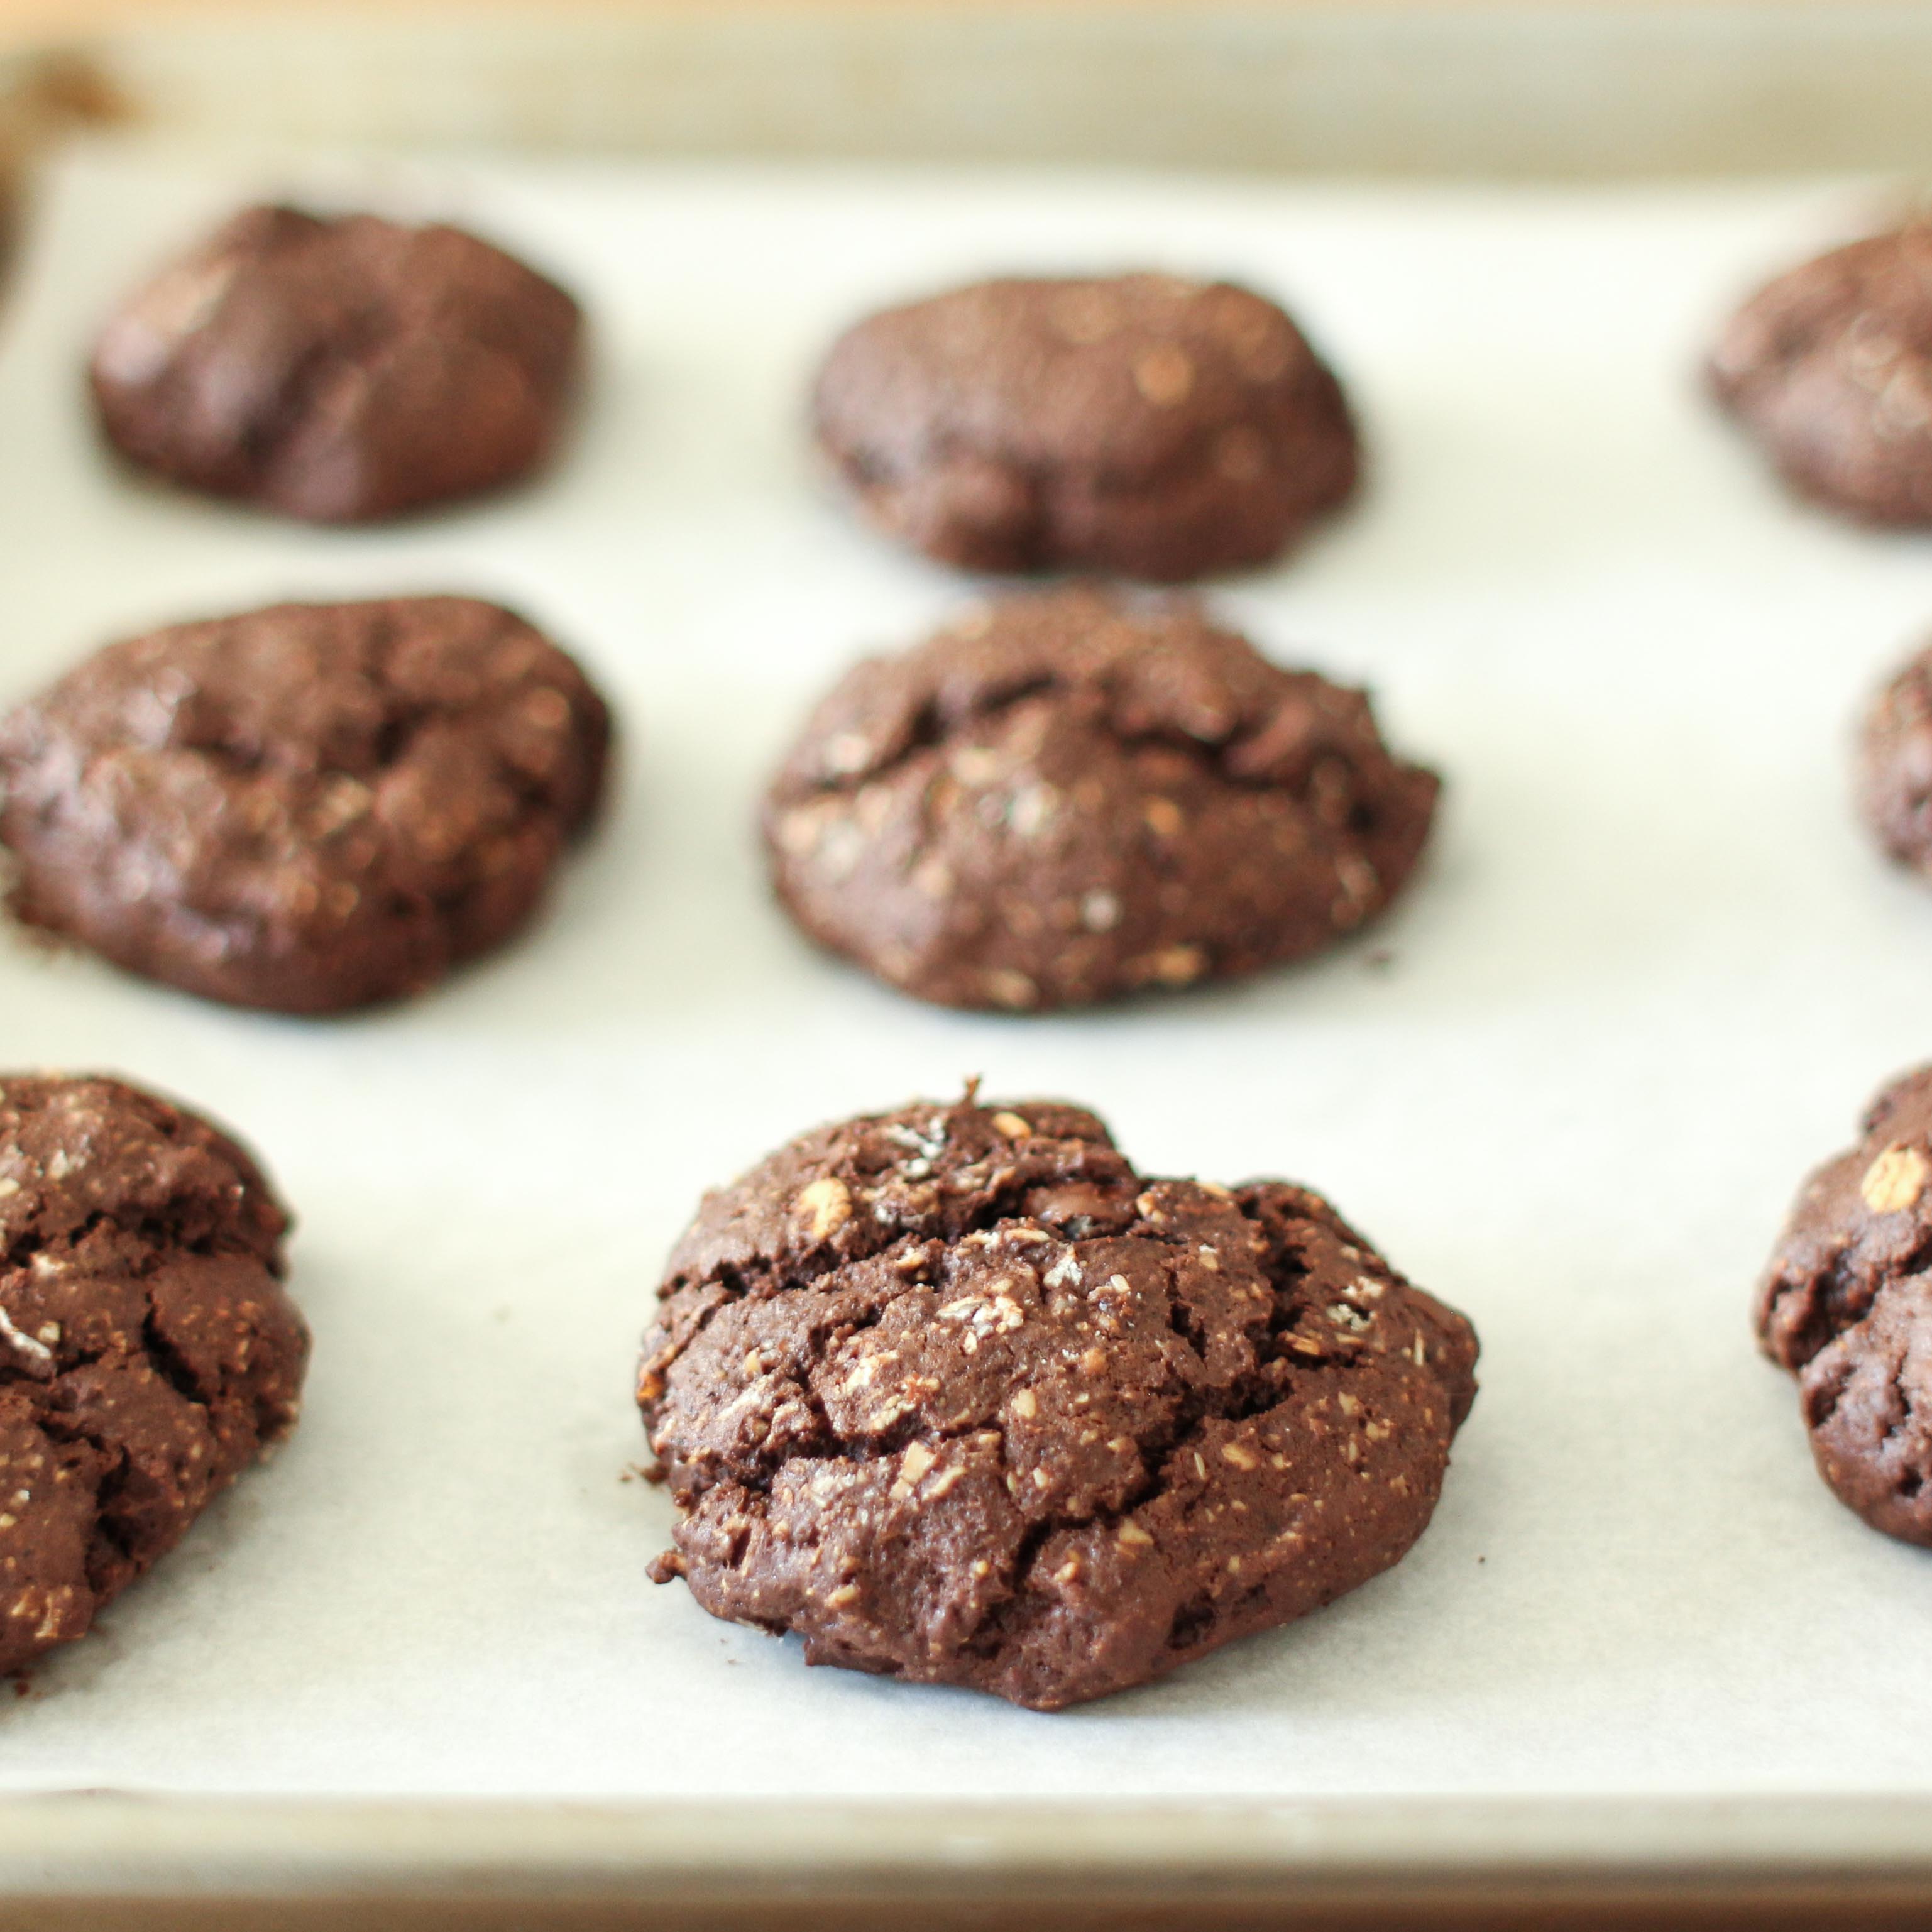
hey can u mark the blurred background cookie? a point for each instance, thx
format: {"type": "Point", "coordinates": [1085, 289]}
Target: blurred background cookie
{"type": "Point", "coordinates": [1894, 767]}
{"type": "Point", "coordinates": [1829, 367]}
{"type": "Point", "coordinates": [339, 370]}
{"type": "Point", "coordinates": [1138, 425]}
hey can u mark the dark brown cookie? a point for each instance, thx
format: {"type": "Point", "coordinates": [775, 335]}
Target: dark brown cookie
{"type": "Point", "coordinates": [957, 1396]}
{"type": "Point", "coordinates": [1067, 797]}
{"type": "Point", "coordinates": [308, 808]}
{"type": "Point", "coordinates": [148, 1352]}
{"type": "Point", "coordinates": [339, 371]}
{"type": "Point", "coordinates": [1894, 778]}
{"type": "Point", "coordinates": [1846, 1305]}
{"type": "Point", "coordinates": [1139, 425]}
{"type": "Point", "coordinates": [1830, 367]}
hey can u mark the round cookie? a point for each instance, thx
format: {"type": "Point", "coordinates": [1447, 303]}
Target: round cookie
{"type": "Point", "coordinates": [1829, 367]}
{"type": "Point", "coordinates": [1067, 797]}
{"type": "Point", "coordinates": [1846, 1305]}
{"type": "Point", "coordinates": [1894, 776]}
{"type": "Point", "coordinates": [148, 1352]}
{"type": "Point", "coordinates": [307, 808]}
{"type": "Point", "coordinates": [341, 370]}
{"type": "Point", "coordinates": [958, 1397]}
{"type": "Point", "coordinates": [1139, 425]}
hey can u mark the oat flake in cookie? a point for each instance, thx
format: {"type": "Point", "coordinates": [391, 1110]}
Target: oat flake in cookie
{"type": "Point", "coordinates": [339, 370]}
{"type": "Point", "coordinates": [1067, 797]}
{"type": "Point", "coordinates": [958, 1397]}
{"type": "Point", "coordinates": [1138, 425]}
{"type": "Point", "coordinates": [307, 808]}
{"type": "Point", "coordinates": [1846, 1305]}
{"type": "Point", "coordinates": [1830, 367]}
{"type": "Point", "coordinates": [148, 1352]}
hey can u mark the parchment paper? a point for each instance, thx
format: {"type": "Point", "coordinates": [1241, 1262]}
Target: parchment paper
{"type": "Point", "coordinates": [1650, 974]}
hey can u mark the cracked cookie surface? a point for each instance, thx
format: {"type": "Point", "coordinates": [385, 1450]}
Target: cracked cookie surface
{"type": "Point", "coordinates": [307, 808]}
{"type": "Point", "coordinates": [1829, 367]}
{"type": "Point", "coordinates": [1067, 797]}
{"type": "Point", "coordinates": [1138, 425]}
{"type": "Point", "coordinates": [148, 1350]}
{"type": "Point", "coordinates": [338, 371]}
{"type": "Point", "coordinates": [958, 1397]}
{"type": "Point", "coordinates": [1846, 1305]}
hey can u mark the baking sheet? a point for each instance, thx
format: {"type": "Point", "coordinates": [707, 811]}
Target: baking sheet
{"type": "Point", "coordinates": [1649, 977]}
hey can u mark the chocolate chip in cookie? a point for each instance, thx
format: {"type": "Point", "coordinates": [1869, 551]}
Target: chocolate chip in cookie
{"type": "Point", "coordinates": [1067, 797]}
{"type": "Point", "coordinates": [341, 370]}
{"type": "Point", "coordinates": [957, 1396]}
{"type": "Point", "coordinates": [1829, 367]}
{"type": "Point", "coordinates": [307, 808]}
{"type": "Point", "coordinates": [1139, 425]}
{"type": "Point", "coordinates": [149, 1352]}
{"type": "Point", "coordinates": [1846, 1305]}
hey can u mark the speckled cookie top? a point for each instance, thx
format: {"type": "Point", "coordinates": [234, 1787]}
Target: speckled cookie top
{"type": "Point", "coordinates": [1864, 1218]}
{"type": "Point", "coordinates": [1068, 797]}
{"type": "Point", "coordinates": [1846, 1304]}
{"type": "Point", "coordinates": [1143, 424]}
{"type": "Point", "coordinates": [957, 1395]}
{"type": "Point", "coordinates": [338, 369]}
{"type": "Point", "coordinates": [148, 1352]}
{"type": "Point", "coordinates": [307, 807]}
{"type": "Point", "coordinates": [1830, 365]}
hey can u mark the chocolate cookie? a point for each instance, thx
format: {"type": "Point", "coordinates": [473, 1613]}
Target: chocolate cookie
{"type": "Point", "coordinates": [958, 1397]}
{"type": "Point", "coordinates": [1830, 368]}
{"type": "Point", "coordinates": [1141, 425]}
{"type": "Point", "coordinates": [308, 808]}
{"type": "Point", "coordinates": [339, 371]}
{"type": "Point", "coordinates": [148, 1352]}
{"type": "Point", "coordinates": [1895, 766]}
{"type": "Point", "coordinates": [1846, 1305]}
{"type": "Point", "coordinates": [1067, 797]}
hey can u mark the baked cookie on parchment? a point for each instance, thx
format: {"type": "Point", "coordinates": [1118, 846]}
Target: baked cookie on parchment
{"type": "Point", "coordinates": [1140, 425]}
{"type": "Point", "coordinates": [149, 1352]}
{"type": "Point", "coordinates": [341, 370]}
{"type": "Point", "coordinates": [1846, 1305]}
{"type": "Point", "coordinates": [1069, 796]}
{"type": "Point", "coordinates": [1829, 367]}
{"type": "Point", "coordinates": [957, 1396]}
{"type": "Point", "coordinates": [307, 808]}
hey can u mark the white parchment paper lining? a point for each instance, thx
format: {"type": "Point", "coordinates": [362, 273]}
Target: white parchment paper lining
{"type": "Point", "coordinates": [1650, 976]}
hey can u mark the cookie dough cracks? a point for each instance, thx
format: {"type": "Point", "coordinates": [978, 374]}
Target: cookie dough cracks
{"type": "Point", "coordinates": [957, 1396]}
{"type": "Point", "coordinates": [148, 1352]}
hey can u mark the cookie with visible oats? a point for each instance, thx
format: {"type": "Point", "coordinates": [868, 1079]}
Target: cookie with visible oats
{"type": "Point", "coordinates": [1137, 425]}
{"type": "Point", "coordinates": [149, 1353]}
{"type": "Point", "coordinates": [956, 1395]}
{"type": "Point", "coordinates": [307, 808]}
{"type": "Point", "coordinates": [1067, 797]}
{"type": "Point", "coordinates": [341, 370]}
{"type": "Point", "coordinates": [1846, 1305]}
{"type": "Point", "coordinates": [1829, 367]}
